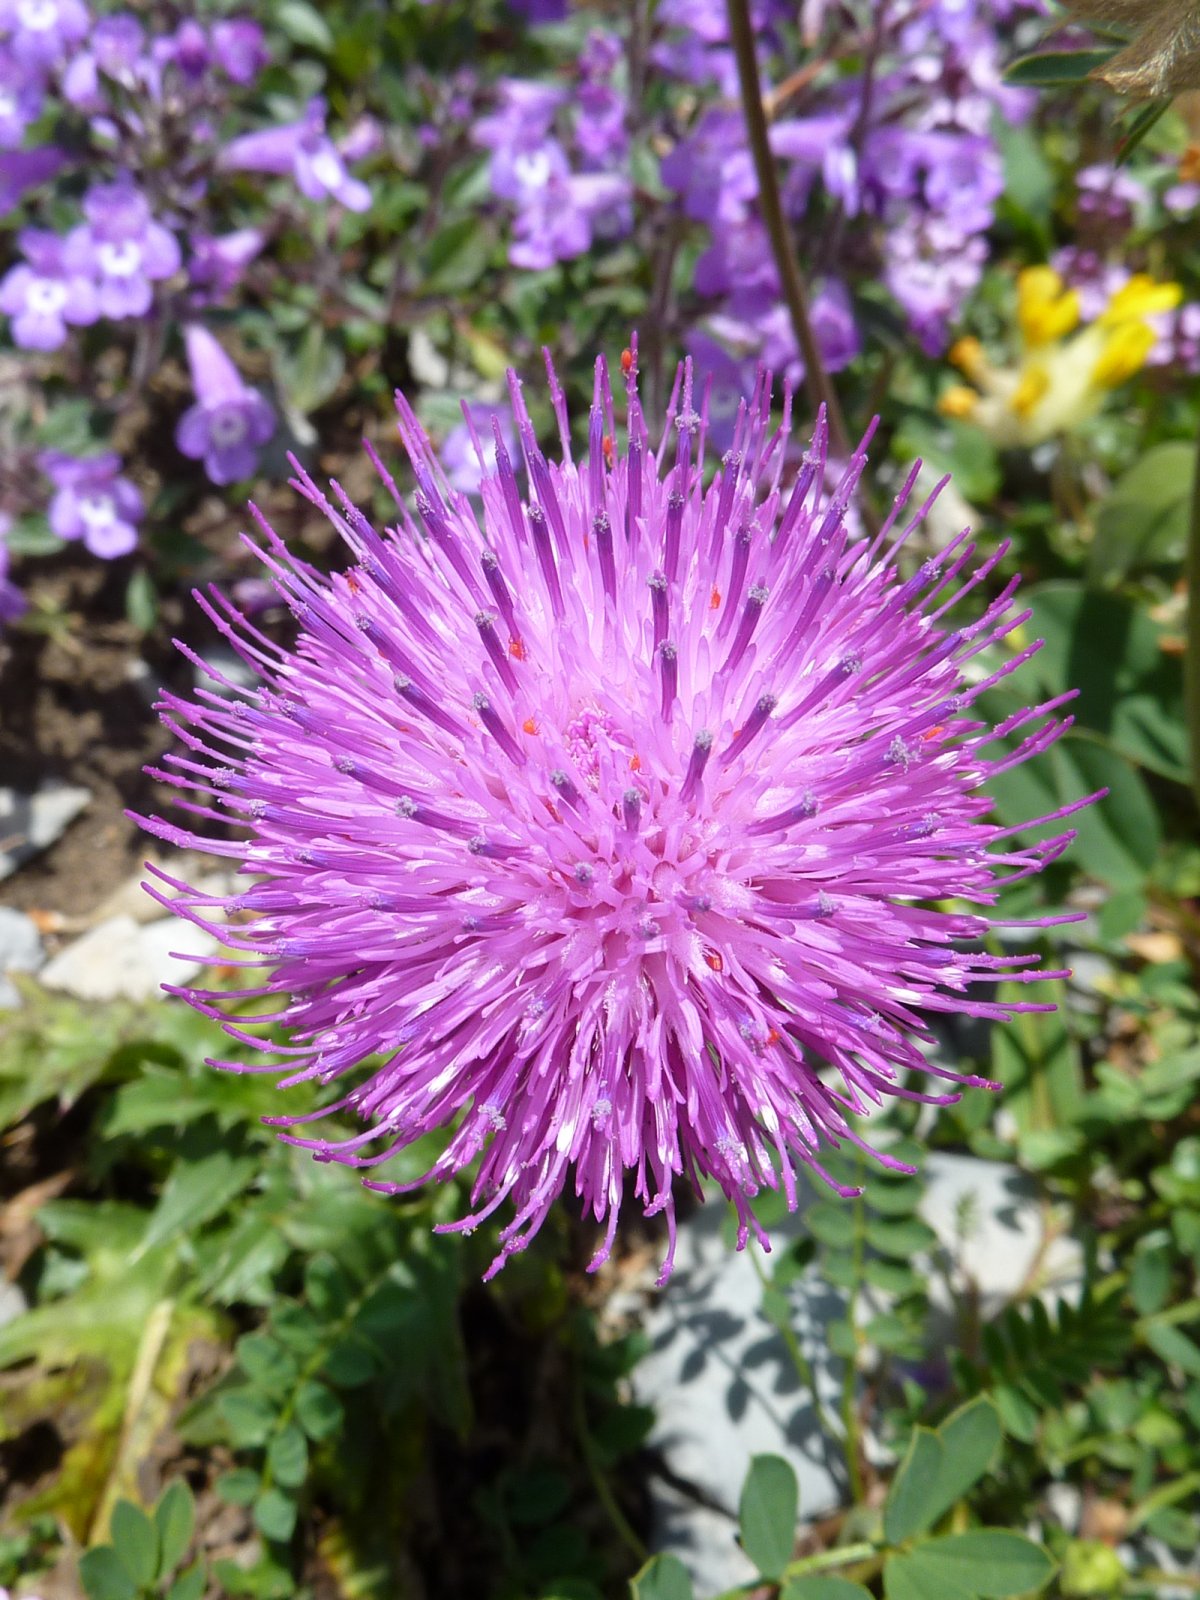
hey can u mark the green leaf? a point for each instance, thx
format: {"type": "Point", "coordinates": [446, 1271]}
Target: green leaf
{"type": "Point", "coordinates": [1036, 1058]}
{"type": "Point", "coordinates": [970, 1438]}
{"type": "Point", "coordinates": [662, 1578]}
{"type": "Point", "coordinates": [903, 1580]}
{"type": "Point", "coordinates": [1119, 835]}
{"type": "Point", "coordinates": [31, 536]}
{"type": "Point", "coordinates": [195, 1193]}
{"type": "Point", "coordinates": [893, 1277]}
{"type": "Point", "coordinates": [767, 1514]}
{"type": "Point", "coordinates": [275, 1515]}
{"type": "Point", "coordinates": [1174, 1346]}
{"type": "Point", "coordinates": [55, 1048]}
{"type": "Point", "coordinates": [249, 1416]}
{"type": "Point", "coordinates": [350, 1363]}
{"type": "Point", "coordinates": [304, 25]}
{"type": "Point", "coordinates": [310, 373]}
{"type": "Point", "coordinates": [175, 1519]}
{"type": "Point", "coordinates": [287, 1456]}
{"type": "Point", "coordinates": [990, 1563]}
{"type": "Point", "coordinates": [264, 1360]}
{"type": "Point", "coordinates": [141, 601]}
{"type": "Point", "coordinates": [831, 1223]}
{"type": "Point", "coordinates": [892, 1197]}
{"type": "Point", "coordinates": [318, 1410]}
{"type": "Point", "coordinates": [457, 256]}
{"type": "Point", "coordinates": [1106, 646]}
{"type": "Point", "coordinates": [135, 1539]}
{"type": "Point", "coordinates": [1139, 126]}
{"type": "Point", "coordinates": [104, 1576]}
{"type": "Point", "coordinates": [1056, 69]}
{"type": "Point", "coordinates": [1144, 522]}
{"type": "Point", "coordinates": [239, 1487]}
{"type": "Point", "coordinates": [911, 1504]}
{"type": "Point", "coordinates": [189, 1585]}
{"type": "Point", "coordinates": [1150, 1279]}
{"type": "Point", "coordinates": [904, 1238]}
{"type": "Point", "coordinates": [819, 1586]}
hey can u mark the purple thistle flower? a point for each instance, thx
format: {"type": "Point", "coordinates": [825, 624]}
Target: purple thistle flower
{"type": "Point", "coordinates": [229, 421]}
{"type": "Point", "coordinates": [122, 248]}
{"type": "Point", "coordinates": [304, 151]}
{"type": "Point", "coordinates": [619, 829]}
{"type": "Point", "coordinates": [93, 502]}
{"type": "Point", "coordinates": [43, 294]}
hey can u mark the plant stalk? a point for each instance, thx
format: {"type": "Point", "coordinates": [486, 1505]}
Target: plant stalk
{"type": "Point", "coordinates": [1191, 660]}
{"type": "Point", "coordinates": [817, 383]}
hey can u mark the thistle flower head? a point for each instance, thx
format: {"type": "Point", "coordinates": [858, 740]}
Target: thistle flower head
{"type": "Point", "coordinates": [614, 826]}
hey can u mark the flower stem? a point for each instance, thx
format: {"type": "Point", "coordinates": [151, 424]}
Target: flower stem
{"type": "Point", "coordinates": [620, 1522]}
{"type": "Point", "coordinates": [816, 380]}
{"type": "Point", "coordinates": [801, 1363]}
{"type": "Point", "coordinates": [1191, 662]}
{"type": "Point", "coordinates": [840, 1556]}
{"type": "Point", "coordinates": [850, 1428]}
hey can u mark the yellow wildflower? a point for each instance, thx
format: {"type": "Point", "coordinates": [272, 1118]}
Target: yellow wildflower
{"type": "Point", "coordinates": [1062, 376]}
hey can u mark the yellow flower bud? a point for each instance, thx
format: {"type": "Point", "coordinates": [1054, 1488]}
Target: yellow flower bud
{"type": "Point", "coordinates": [1033, 386]}
{"type": "Point", "coordinates": [967, 355]}
{"type": "Point", "coordinates": [1045, 311]}
{"type": "Point", "coordinates": [958, 401]}
{"type": "Point", "coordinates": [1140, 297]}
{"type": "Point", "coordinates": [1124, 353]}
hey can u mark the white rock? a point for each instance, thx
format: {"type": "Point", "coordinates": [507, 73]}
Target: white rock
{"type": "Point", "coordinates": [118, 959]}
{"type": "Point", "coordinates": [724, 1388]}
{"type": "Point", "coordinates": [29, 822]}
{"type": "Point", "coordinates": [20, 951]}
{"type": "Point", "coordinates": [988, 1215]}
{"type": "Point", "coordinates": [12, 1302]}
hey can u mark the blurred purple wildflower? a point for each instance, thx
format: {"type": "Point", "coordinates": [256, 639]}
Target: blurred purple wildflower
{"type": "Point", "coordinates": [22, 170]}
{"type": "Point", "coordinates": [21, 95]}
{"type": "Point", "coordinates": [93, 502]}
{"type": "Point", "coordinates": [239, 48]}
{"type": "Point", "coordinates": [12, 601]}
{"type": "Point", "coordinates": [469, 451]}
{"type": "Point", "coordinates": [41, 33]}
{"type": "Point", "coordinates": [304, 151]}
{"type": "Point", "coordinates": [229, 421]}
{"type": "Point", "coordinates": [622, 830]}
{"type": "Point", "coordinates": [558, 210]}
{"type": "Point", "coordinates": [44, 294]}
{"type": "Point", "coordinates": [539, 10]}
{"type": "Point", "coordinates": [114, 51]}
{"type": "Point", "coordinates": [217, 263]}
{"type": "Point", "coordinates": [122, 248]}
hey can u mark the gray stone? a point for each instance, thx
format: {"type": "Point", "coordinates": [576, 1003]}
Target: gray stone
{"type": "Point", "coordinates": [989, 1219]}
{"type": "Point", "coordinates": [12, 1303]}
{"type": "Point", "coordinates": [724, 1388]}
{"type": "Point", "coordinates": [117, 959]}
{"type": "Point", "coordinates": [29, 822]}
{"type": "Point", "coordinates": [20, 951]}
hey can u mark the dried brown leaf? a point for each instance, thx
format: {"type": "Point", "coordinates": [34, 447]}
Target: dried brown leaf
{"type": "Point", "coordinates": [1162, 59]}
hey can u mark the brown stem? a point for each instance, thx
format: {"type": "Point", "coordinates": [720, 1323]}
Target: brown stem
{"type": "Point", "coordinates": [817, 384]}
